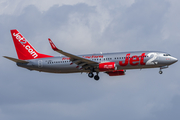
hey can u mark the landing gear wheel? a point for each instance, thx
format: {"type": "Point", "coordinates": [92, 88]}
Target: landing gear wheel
{"type": "Point", "coordinates": [96, 77]}
{"type": "Point", "coordinates": [160, 72]}
{"type": "Point", "coordinates": [91, 75]}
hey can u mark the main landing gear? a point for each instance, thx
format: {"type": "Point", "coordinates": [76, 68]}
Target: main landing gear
{"type": "Point", "coordinates": [91, 75]}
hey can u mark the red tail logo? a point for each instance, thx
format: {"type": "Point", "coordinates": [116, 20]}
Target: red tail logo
{"type": "Point", "coordinates": [24, 49]}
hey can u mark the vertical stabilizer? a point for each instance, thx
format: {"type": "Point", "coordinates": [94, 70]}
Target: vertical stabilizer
{"type": "Point", "coordinates": [24, 49]}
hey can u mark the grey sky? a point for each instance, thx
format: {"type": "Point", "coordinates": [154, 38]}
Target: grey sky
{"type": "Point", "coordinates": [90, 26]}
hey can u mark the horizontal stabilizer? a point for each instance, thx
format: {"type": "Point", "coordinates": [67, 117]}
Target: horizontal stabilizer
{"type": "Point", "coordinates": [16, 60]}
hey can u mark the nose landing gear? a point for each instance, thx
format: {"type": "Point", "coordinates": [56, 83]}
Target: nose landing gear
{"type": "Point", "coordinates": [163, 67]}
{"type": "Point", "coordinates": [160, 72]}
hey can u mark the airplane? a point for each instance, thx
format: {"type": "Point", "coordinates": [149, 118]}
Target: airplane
{"type": "Point", "coordinates": [113, 64]}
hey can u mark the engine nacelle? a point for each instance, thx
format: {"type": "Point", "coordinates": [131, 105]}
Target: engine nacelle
{"type": "Point", "coordinates": [107, 66]}
{"type": "Point", "coordinates": [116, 73]}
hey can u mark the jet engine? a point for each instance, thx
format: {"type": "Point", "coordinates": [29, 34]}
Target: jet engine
{"type": "Point", "coordinates": [107, 66]}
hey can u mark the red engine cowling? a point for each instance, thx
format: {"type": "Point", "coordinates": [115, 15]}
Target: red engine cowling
{"type": "Point", "coordinates": [108, 66]}
{"type": "Point", "coordinates": [116, 73]}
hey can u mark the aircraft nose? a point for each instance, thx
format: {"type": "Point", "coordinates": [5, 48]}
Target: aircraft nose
{"type": "Point", "coordinates": [174, 60]}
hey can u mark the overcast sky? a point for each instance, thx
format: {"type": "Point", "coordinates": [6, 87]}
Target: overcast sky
{"type": "Point", "coordinates": [90, 26]}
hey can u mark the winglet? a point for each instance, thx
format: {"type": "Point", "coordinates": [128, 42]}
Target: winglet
{"type": "Point", "coordinates": [52, 45]}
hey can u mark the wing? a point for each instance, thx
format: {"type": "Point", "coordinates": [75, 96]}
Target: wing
{"type": "Point", "coordinates": [80, 61]}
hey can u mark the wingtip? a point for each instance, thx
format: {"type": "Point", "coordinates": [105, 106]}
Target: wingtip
{"type": "Point", "coordinates": [52, 45]}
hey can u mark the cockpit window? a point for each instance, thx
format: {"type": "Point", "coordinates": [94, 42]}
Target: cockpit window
{"type": "Point", "coordinates": [166, 55]}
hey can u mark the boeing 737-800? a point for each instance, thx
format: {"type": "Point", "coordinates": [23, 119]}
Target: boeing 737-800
{"type": "Point", "coordinates": [114, 64]}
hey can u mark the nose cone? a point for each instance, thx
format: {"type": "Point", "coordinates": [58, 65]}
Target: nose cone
{"type": "Point", "coordinates": [174, 60]}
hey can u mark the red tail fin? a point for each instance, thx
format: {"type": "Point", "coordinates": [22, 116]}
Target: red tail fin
{"type": "Point", "coordinates": [24, 49]}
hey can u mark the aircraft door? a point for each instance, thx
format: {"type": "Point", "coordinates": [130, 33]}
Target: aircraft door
{"type": "Point", "coordinates": [40, 63]}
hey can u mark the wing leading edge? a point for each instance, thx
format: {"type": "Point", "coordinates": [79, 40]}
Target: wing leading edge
{"type": "Point", "coordinates": [80, 61]}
